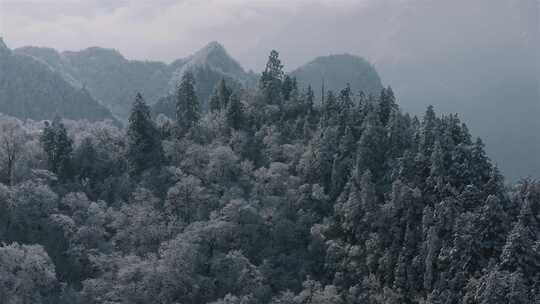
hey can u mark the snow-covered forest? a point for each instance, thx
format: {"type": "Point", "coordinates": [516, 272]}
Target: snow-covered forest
{"type": "Point", "coordinates": [275, 194]}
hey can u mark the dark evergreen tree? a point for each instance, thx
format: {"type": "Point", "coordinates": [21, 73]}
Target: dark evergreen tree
{"type": "Point", "coordinates": [288, 86]}
{"type": "Point", "coordinates": [144, 149]}
{"type": "Point", "coordinates": [387, 105]}
{"type": "Point", "coordinates": [86, 160]}
{"type": "Point", "coordinates": [187, 104]}
{"type": "Point", "coordinates": [271, 79]}
{"type": "Point", "coordinates": [220, 98]}
{"type": "Point", "coordinates": [310, 99]}
{"type": "Point", "coordinates": [59, 147]}
{"type": "Point", "coordinates": [330, 110]}
{"type": "Point", "coordinates": [522, 251]}
{"type": "Point", "coordinates": [371, 148]}
{"type": "Point", "coordinates": [235, 112]}
{"type": "Point", "coordinates": [429, 131]}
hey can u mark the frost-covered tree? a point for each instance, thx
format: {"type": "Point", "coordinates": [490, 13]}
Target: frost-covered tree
{"type": "Point", "coordinates": [12, 138]}
{"type": "Point", "coordinates": [59, 148]}
{"type": "Point", "coordinates": [27, 275]}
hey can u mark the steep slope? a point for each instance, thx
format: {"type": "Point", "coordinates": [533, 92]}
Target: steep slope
{"type": "Point", "coordinates": [31, 89]}
{"type": "Point", "coordinates": [107, 75]}
{"type": "Point", "coordinates": [337, 71]}
{"type": "Point", "coordinates": [206, 79]}
{"type": "Point", "coordinates": [208, 65]}
{"type": "Point", "coordinates": [214, 57]}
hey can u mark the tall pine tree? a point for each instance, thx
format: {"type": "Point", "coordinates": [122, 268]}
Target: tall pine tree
{"type": "Point", "coordinates": [235, 112]}
{"type": "Point", "coordinates": [220, 98]}
{"type": "Point", "coordinates": [271, 79]}
{"type": "Point", "coordinates": [187, 104]}
{"type": "Point", "coordinates": [144, 143]}
{"type": "Point", "coordinates": [58, 147]}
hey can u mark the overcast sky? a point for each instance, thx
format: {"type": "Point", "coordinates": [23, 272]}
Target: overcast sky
{"type": "Point", "coordinates": [162, 29]}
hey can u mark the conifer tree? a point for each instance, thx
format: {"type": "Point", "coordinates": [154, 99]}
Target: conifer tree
{"type": "Point", "coordinates": [86, 159]}
{"type": "Point", "coordinates": [235, 112]}
{"type": "Point", "coordinates": [58, 147]}
{"type": "Point", "coordinates": [144, 144]}
{"type": "Point", "coordinates": [187, 103]}
{"type": "Point", "coordinates": [521, 251]}
{"type": "Point", "coordinates": [429, 131]}
{"type": "Point", "coordinates": [310, 98]}
{"type": "Point", "coordinates": [330, 110]}
{"type": "Point", "coordinates": [288, 86]}
{"type": "Point", "coordinates": [387, 104]}
{"type": "Point", "coordinates": [271, 79]}
{"type": "Point", "coordinates": [220, 98]}
{"type": "Point", "coordinates": [371, 153]}
{"type": "Point", "coordinates": [345, 108]}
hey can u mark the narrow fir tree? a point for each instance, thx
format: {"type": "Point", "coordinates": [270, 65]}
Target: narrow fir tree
{"type": "Point", "coordinates": [220, 98]}
{"type": "Point", "coordinates": [58, 147]}
{"type": "Point", "coordinates": [387, 105]}
{"type": "Point", "coordinates": [144, 144]}
{"type": "Point", "coordinates": [187, 104]}
{"type": "Point", "coordinates": [235, 112]}
{"type": "Point", "coordinates": [271, 79]}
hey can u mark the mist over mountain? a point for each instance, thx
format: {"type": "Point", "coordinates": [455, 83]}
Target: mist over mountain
{"type": "Point", "coordinates": [463, 59]}
{"type": "Point", "coordinates": [215, 57]}
{"type": "Point", "coordinates": [114, 80]}
{"type": "Point", "coordinates": [478, 58]}
{"type": "Point", "coordinates": [211, 64]}
{"type": "Point", "coordinates": [107, 75]}
{"type": "Point", "coordinates": [31, 89]}
{"type": "Point", "coordinates": [335, 72]}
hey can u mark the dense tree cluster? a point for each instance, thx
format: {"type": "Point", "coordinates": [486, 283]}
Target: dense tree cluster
{"type": "Point", "coordinates": [268, 197]}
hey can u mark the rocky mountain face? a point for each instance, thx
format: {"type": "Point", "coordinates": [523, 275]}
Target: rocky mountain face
{"type": "Point", "coordinates": [31, 89]}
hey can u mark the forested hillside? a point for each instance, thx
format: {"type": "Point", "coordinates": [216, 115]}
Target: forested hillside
{"type": "Point", "coordinates": [30, 89]}
{"type": "Point", "coordinates": [269, 196]}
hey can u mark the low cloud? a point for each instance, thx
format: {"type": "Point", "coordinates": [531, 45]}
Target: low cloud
{"type": "Point", "coordinates": [154, 29]}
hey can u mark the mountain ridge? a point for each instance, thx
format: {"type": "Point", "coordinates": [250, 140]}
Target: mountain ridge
{"type": "Point", "coordinates": [30, 88]}
{"type": "Point", "coordinates": [114, 80]}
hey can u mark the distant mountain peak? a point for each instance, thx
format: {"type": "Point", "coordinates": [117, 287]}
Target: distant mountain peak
{"type": "Point", "coordinates": [338, 71]}
{"type": "Point", "coordinates": [214, 57]}
{"type": "Point", "coordinates": [214, 45]}
{"type": "Point", "coordinates": [213, 51]}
